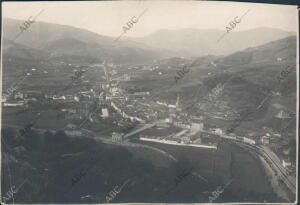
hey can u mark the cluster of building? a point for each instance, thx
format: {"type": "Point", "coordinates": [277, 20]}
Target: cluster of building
{"type": "Point", "coordinates": [19, 98]}
{"type": "Point", "coordinates": [135, 107]}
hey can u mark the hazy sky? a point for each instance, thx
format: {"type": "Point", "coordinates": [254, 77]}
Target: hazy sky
{"type": "Point", "coordinates": [108, 18]}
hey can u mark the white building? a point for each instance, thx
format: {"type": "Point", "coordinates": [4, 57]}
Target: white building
{"type": "Point", "coordinates": [265, 140]}
{"type": "Point", "coordinates": [13, 104]}
{"type": "Point", "coordinates": [182, 125]}
{"type": "Point", "coordinates": [171, 106]}
{"type": "Point", "coordinates": [117, 137]}
{"type": "Point", "coordinates": [18, 95]}
{"type": "Point", "coordinates": [161, 103]}
{"type": "Point", "coordinates": [218, 131]}
{"type": "Point", "coordinates": [141, 93]}
{"type": "Point", "coordinates": [58, 98]}
{"type": "Point", "coordinates": [186, 140]}
{"type": "Point", "coordinates": [73, 132]}
{"type": "Point", "coordinates": [197, 126]}
{"type": "Point", "coordinates": [104, 113]}
{"type": "Point", "coordinates": [286, 163]}
{"type": "Point", "coordinates": [168, 120]}
{"type": "Point", "coordinates": [282, 114]}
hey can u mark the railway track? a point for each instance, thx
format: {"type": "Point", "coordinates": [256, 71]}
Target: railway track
{"type": "Point", "coordinates": [259, 150]}
{"type": "Point", "coordinates": [284, 176]}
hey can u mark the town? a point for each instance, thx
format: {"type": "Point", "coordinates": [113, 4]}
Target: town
{"type": "Point", "coordinates": [155, 105]}
{"type": "Point", "coordinates": [133, 117]}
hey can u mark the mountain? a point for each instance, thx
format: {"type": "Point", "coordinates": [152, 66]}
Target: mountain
{"type": "Point", "coordinates": [76, 44]}
{"type": "Point", "coordinates": [40, 34]}
{"type": "Point", "coordinates": [196, 42]}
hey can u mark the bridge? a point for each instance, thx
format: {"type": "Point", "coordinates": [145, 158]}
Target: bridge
{"type": "Point", "coordinates": [146, 126]}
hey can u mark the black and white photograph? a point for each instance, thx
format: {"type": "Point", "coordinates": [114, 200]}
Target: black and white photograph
{"type": "Point", "coordinates": [149, 102]}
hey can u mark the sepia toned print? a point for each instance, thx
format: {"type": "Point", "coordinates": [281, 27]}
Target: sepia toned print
{"type": "Point", "coordinates": [156, 102]}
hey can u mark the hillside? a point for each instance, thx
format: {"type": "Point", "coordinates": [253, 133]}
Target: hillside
{"type": "Point", "coordinates": [248, 75]}
{"type": "Point", "coordinates": [197, 42]}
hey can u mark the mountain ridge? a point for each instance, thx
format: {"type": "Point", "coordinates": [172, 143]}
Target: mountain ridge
{"type": "Point", "coordinates": [199, 42]}
{"type": "Point", "coordinates": [188, 42]}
